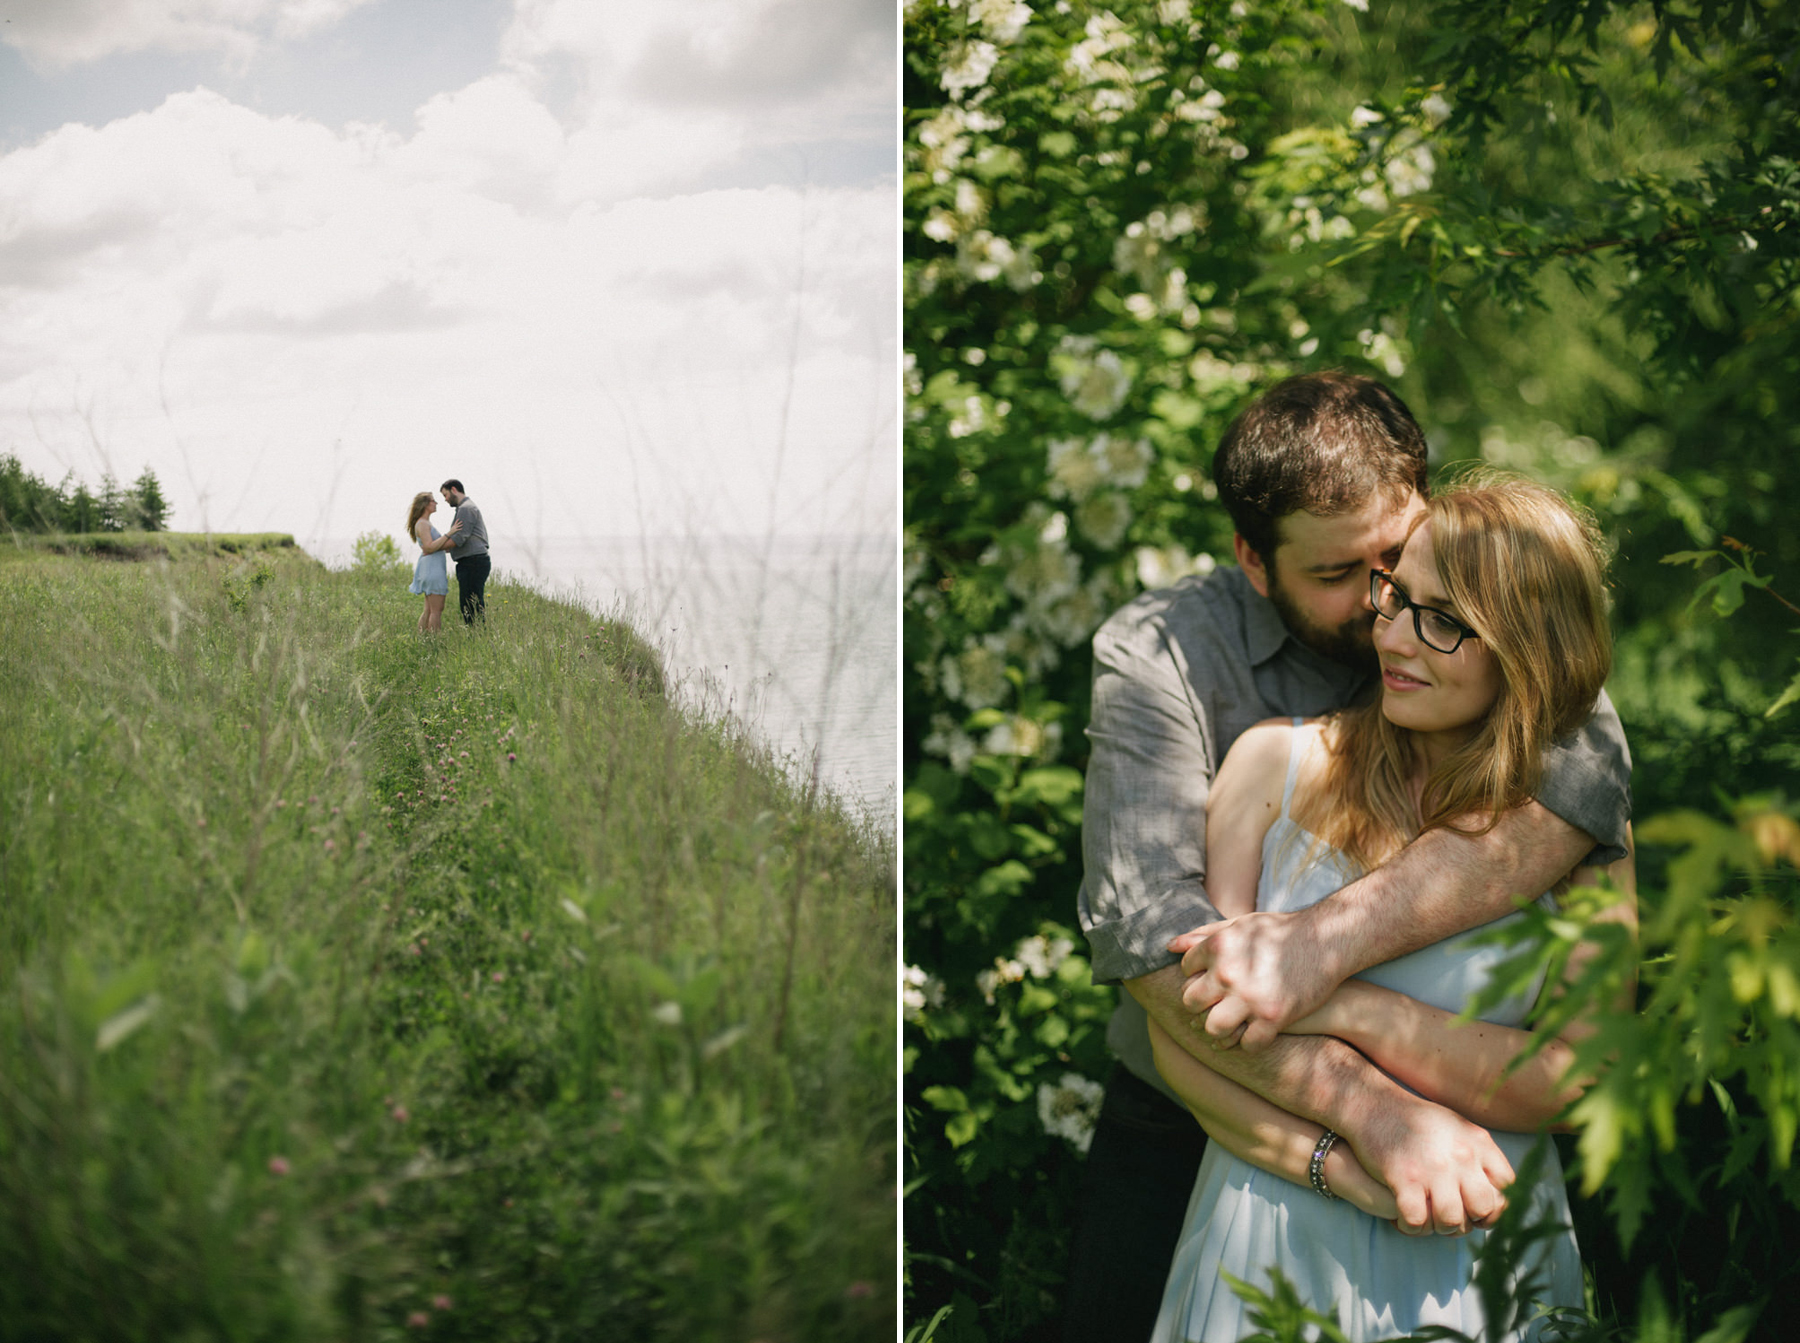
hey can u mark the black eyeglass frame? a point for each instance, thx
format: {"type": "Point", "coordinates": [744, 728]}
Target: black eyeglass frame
{"type": "Point", "coordinates": [1379, 576]}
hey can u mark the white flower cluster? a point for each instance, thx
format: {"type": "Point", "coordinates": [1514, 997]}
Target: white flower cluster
{"type": "Point", "coordinates": [1312, 224]}
{"type": "Point", "coordinates": [1042, 955]}
{"type": "Point", "coordinates": [920, 992]}
{"type": "Point", "coordinates": [1095, 380]}
{"type": "Point", "coordinates": [1024, 738]}
{"type": "Point", "coordinates": [1211, 373]}
{"type": "Point", "coordinates": [1005, 971]}
{"type": "Point", "coordinates": [1158, 568]}
{"type": "Point", "coordinates": [1091, 475]}
{"type": "Point", "coordinates": [977, 675]}
{"type": "Point", "coordinates": [967, 65]}
{"type": "Point", "coordinates": [1209, 106]}
{"type": "Point", "coordinates": [1078, 469]}
{"type": "Point", "coordinates": [1381, 347]}
{"type": "Point", "coordinates": [949, 742]}
{"type": "Point", "coordinates": [1143, 252]}
{"type": "Point", "coordinates": [946, 139]}
{"type": "Point", "coordinates": [1106, 36]}
{"type": "Point", "coordinates": [981, 255]}
{"type": "Point", "coordinates": [986, 257]}
{"type": "Point", "coordinates": [1410, 164]}
{"type": "Point", "coordinates": [1099, 61]}
{"type": "Point", "coordinates": [1070, 1109]}
{"type": "Point", "coordinates": [1001, 20]}
{"type": "Point", "coordinates": [1045, 576]}
{"type": "Point", "coordinates": [1038, 956]}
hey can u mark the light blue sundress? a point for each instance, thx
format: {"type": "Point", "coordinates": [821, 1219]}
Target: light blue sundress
{"type": "Point", "coordinates": [1377, 1282]}
{"type": "Point", "coordinates": [431, 575]}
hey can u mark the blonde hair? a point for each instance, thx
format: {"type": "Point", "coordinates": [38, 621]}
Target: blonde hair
{"type": "Point", "coordinates": [417, 511]}
{"type": "Point", "coordinates": [1525, 568]}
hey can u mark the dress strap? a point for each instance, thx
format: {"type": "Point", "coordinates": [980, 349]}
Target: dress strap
{"type": "Point", "coordinates": [1293, 770]}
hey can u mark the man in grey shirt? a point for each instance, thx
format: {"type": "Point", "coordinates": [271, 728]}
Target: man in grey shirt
{"type": "Point", "coordinates": [470, 553]}
{"type": "Point", "coordinates": [1323, 476]}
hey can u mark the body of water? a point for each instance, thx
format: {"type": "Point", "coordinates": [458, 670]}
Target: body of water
{"type": "Point", "coordinates": [793, 636]}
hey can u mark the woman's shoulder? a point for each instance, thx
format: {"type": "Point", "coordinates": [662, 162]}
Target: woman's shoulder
{"type": "Point", "coordinates": [1257, 762]}
{"type": "Point", "coordinates": [1255, 769]}
{"type": "Point", "coordinates": [1268, 744]}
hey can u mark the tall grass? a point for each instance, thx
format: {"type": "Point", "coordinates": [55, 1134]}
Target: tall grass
{"type": "Point", "coordinates": [356, 983]}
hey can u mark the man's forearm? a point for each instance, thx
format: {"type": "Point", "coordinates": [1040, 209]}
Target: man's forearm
{"type": "Point", "coordinates": [1441, 884]}
{"type": "Point", "coordinates": [1317, 1077]}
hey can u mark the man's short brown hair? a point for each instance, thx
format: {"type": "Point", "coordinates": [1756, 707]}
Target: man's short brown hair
{"type": "Point", "coordinates": [1321, 443]}
{"type": "Point", "coordinates": [453, 484]}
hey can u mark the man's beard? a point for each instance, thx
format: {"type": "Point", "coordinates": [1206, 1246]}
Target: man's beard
{"type": "Point", "coordinates": [1351, 643]}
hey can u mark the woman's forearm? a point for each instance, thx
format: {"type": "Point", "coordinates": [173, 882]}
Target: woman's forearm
{"type": "Point", "coordinates": [1261, 1133]}
{"type": "Point", "coordinates": [1461, 1066]}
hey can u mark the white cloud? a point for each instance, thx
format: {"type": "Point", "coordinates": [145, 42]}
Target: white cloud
{"type": "Point", "coordinates": [669, 93]}
{"type": "Point", "coordinates": [72, 32]}
{"type": "Point", "coordinates": [297, 327]}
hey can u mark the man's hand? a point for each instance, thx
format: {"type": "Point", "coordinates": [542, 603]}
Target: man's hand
{"type": "Point", "coordinates": [1446, 1173]}
{"type": "Point", "coordinates": [1253, 975]}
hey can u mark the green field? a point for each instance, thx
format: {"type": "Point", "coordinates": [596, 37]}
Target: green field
{"type": "Point", "coordinates": [356, 983]}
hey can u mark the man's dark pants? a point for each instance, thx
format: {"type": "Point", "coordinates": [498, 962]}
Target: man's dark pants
{"type": "Point", "coordinates": [471, 582]}
{"type": "Point", "coordinates": [1134, 1194]}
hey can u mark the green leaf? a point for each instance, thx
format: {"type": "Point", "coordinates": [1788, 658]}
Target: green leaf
{"type": "Point", "coordinates": [1787, 697]}
{"type": "Point", "coordinates": [121, 1025]}
{"type": "Point", "coordinates": [962, 1128]}
{"type": "Point", "coordinates": [1050, 785]}
{"type": "Point", "coordinates": [1693, 557]}
{"type": "Point", "coordinates": [950, 1099]}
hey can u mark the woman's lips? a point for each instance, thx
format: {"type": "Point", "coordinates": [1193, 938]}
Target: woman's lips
{"type": "Point", "coordinates": [1399, 680]}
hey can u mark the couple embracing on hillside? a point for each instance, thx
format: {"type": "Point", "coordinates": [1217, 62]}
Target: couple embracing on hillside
{"type": "Point", "coordinates": [466, 540]}
{"type": "Point", "coordinates": [1311, 777]}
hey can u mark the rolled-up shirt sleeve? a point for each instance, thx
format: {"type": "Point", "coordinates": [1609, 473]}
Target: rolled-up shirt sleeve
{"type": "Point", "coordinates": [1144, 810]}
{"type": "Point", "coordinates": [1587, 782]}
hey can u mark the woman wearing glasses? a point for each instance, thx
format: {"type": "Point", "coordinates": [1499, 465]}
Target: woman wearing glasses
{"type": "Point", "coordinates": [1492, 636]}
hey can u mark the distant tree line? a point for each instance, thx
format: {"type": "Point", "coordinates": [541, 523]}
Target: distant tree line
{"type": "Point", "coordinates": [28, 503]}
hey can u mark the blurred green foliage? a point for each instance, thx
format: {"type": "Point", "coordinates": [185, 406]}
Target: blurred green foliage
{"type": "Point", "coordinates": [1566, 232]}
{"type": "Point", "coordinates": [377, 554]}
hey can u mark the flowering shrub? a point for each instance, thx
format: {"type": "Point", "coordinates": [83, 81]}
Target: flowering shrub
{"type": "Point", "coordinates": [1085, 222]}
{"type": "Point", "coordinates": [1122, 221]}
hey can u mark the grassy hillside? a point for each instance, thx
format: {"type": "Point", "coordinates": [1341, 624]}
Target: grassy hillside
{"type": "Point", "coordinates": [361, 984]}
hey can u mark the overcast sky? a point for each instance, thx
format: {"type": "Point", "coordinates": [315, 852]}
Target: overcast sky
{"type": "Point", "coordinates": [620, 266]}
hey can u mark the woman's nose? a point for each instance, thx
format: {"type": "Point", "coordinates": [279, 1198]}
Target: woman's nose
{"type": "Point", "coordinates": [1396, 634]}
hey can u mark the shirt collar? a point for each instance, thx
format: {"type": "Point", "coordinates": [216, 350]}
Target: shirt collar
{"type": "Point", "coordinates": [1264, 633]}
{"type": "Point", "coordinates": [1265, 637]}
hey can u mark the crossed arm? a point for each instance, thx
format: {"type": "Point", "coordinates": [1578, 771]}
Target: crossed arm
{"type": "Point", "coordinates": [422, 533]}
{"type": "Point", "coordinates": [1446, 1172]}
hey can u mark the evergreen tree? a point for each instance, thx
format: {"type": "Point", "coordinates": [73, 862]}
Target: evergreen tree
{"type": "Point", "coordinates": [117, 509]}
{"type": "Point", "coordinates": [151, 508]}
{"type": "Point", "coordinates": [81, 511]}
{"type": "Point", "coordinates": [27, 503]}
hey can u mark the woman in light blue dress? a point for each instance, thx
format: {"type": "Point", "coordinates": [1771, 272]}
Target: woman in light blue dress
{"type": "Point", "coordinates": [1493, 642]}
{"type": "Point", "coordinates": [431, 575]}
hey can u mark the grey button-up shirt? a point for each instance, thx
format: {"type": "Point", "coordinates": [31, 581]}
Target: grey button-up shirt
{"type": "Point", "coordinates": [1178, 675]}
{"type": "Point", "coordinates": [472, 539]}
